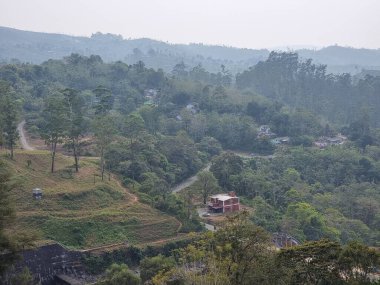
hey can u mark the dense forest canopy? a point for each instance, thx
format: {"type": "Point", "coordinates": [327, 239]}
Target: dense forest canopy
{"type": "Point", "coordinates": [310, 142]}
{"type": "Point", "coordinates": [301, 83]}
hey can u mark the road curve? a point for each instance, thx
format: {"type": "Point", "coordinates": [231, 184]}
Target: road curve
{"type": "Point", "coordinates": [24, 143]}
{"type": "Point", "coordinates": [189, 181]}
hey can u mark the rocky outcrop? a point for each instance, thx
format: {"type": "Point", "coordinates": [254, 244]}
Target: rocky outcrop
{"type": "Point", "coordinates": [47, 262]}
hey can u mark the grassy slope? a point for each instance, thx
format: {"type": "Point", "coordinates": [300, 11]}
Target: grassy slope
{"type": "Point", "coordinates": [78, 213]}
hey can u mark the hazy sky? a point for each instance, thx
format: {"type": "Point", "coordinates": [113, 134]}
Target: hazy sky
{"type": "Point", "coordinates": [240, 23]}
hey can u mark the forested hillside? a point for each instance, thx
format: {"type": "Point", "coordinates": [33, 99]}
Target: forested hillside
{"type": "Point", "coordinates": [37, 47]}
{"type": "Point", "coordinates": [156, 129]}
{"type": "Point", "coordinates": [301, 83]}
{"type": "Point", "coordinates": [300, 146]}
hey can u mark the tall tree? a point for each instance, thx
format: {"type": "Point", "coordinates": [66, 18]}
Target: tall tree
{"type": "Point", "coordinates": [104, 131]}
{"type": "Point", "coordinates": [245, 246]}
{"type": "Point", "coordinates": [179, 70]}
{"type": "Point", "coordinates": [150, 115]}
{"type": "Point", "coordinates": [54, 123]}
{"type": "Point", "coordinates": [7, 248]}
{"type": "Point", "coordinates": [206, 184]}
{"type": "Point", "coordinates": [10, 110]}
{"type": "Point", "coordinates": [225, 165]}
{"type": "Point", "coordinates": [104, 127]}
{"type": "Point", "coordinates": [11, 241]}
{"type": "Point", "coordinates": [104, 99]}
{"type": "Point", "coordinates": [76, 126]}
{"type": "Point", "coordinates": [134, 124]}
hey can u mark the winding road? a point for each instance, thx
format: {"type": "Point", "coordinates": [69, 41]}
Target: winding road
{"type": "Point", "coordinates": [134, 198]}
{"type": "Point", "coordinates": [177, 188]}
{"type": "Point", "coordinates": [24, 143]}
{"type": "Point", "coordinates": [189, 181]}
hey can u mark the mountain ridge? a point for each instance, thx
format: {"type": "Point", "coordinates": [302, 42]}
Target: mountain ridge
{"type": "Point", "coordinates": [36, 47]}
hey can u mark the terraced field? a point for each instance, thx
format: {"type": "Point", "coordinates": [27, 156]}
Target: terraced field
{"type": "Point", "coordinates": [77, 212]}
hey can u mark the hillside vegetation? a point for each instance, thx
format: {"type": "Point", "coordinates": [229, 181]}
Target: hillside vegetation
{"type": "Point", "coordinates": [77, 212]}
{"type": "Point", "coordinates": [155, 130]}
{"type": "Point", "coordinates": [311, 168]}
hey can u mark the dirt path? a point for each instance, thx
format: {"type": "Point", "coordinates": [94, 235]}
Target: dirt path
{"type": "Point", "coordinates": [243, 154]}
{"type": "Point", "coordinates": [135, 199]}
{"type": "Point", "coordinates": [125, 244]}
{"type": "Point", "coordinates": [108, 247]}
{"type": "Point", "coordinates": [24, 143]}
{"type": "Point", "coordinates": [116, 246]}
{"type": "Point", "coordinates": [178, 237]}
{"type": "Point", "coordinates": [189, 181]}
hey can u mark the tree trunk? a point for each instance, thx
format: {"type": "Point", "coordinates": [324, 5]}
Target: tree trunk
{"type": "Point", "coordinates": [75, 157]}
{"type": "Point", "coordinates": [205, 192]}
{"type": "Point", "coordinates": [11, 147]}
{"type": "Point", "coordinates": [53, 148]}
{"type": "Point", "coordinates": [102, 162]}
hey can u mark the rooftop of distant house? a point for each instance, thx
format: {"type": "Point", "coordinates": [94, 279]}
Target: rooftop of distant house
{"type": "Point", "coordinates": [223, 197]}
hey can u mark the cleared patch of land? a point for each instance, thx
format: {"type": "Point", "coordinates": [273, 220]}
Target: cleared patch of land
{"type": "Point", "coordinates": [77, 212]}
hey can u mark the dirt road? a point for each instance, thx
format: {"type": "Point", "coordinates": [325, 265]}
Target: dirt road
{"type": "Point", "coordinates": [24, 143]}
{"type": "Point", "coordinates": [189, 180]}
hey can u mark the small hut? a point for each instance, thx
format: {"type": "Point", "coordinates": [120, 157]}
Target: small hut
{"type": "Point", "coordinates": [37, 193]}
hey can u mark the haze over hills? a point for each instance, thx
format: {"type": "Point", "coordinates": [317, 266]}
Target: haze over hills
{"type": "Point", "coordinates": [35, 47]}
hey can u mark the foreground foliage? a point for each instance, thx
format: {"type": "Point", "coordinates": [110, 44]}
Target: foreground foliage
{"type": "Point", "coordinates": [241, 253]}
{"type": "Point", "coordinates": [119, 275]}
{"type": "Point", "coordinates": [308, 193]}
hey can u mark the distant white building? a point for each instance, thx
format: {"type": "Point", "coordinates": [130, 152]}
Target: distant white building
{"type": "Point", "coordinates": [323, 142]}
{"type": "Point", "coordinates": [192, 108]}
{"type": "Point", "coordinates": [280, 140]}
{"type": "Point", "coordinates": [152, 93]}
{"type": "Point", "coordinates": [265, 132]}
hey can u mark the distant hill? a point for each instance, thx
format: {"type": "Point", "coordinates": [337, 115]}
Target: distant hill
{"type": "Point", "coordinates": [35, 47]}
